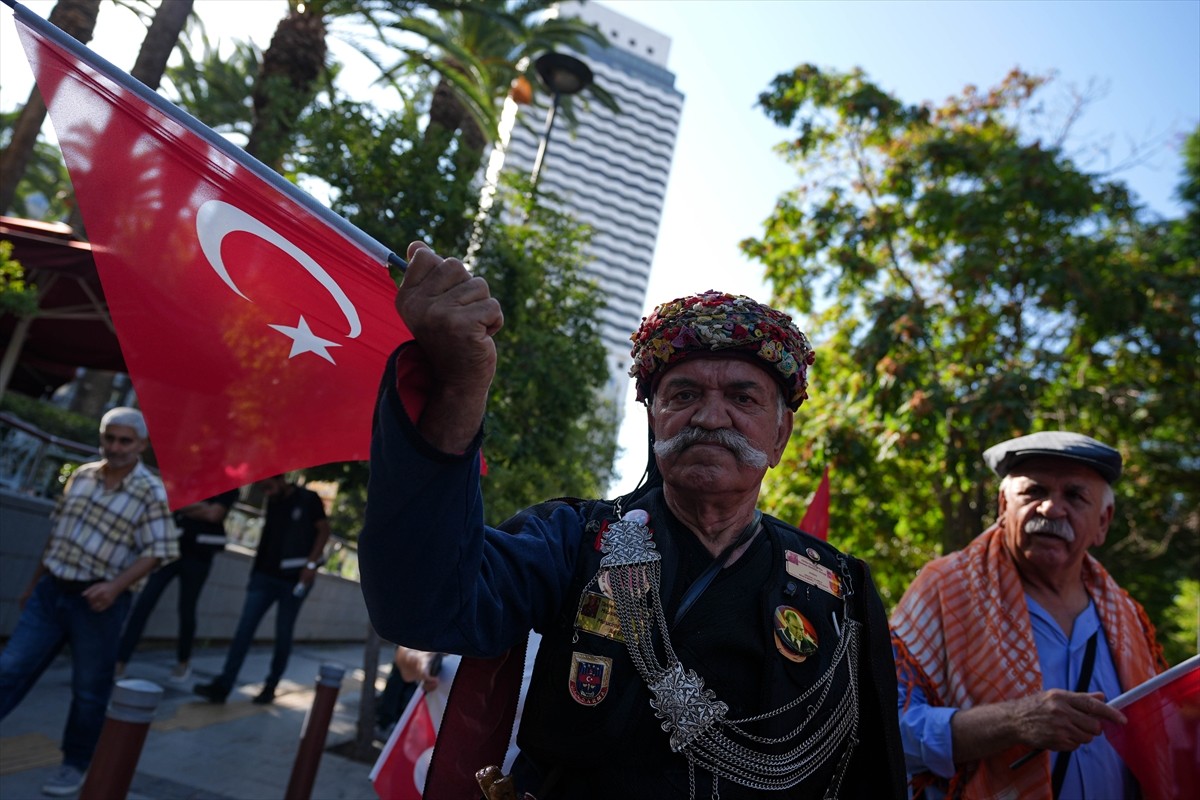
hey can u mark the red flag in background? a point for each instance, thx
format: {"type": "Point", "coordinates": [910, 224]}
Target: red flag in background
{"type": "Point", "coordinates": [816, 518]}
{"type": "Point", "coordinates": [255, 323]}
{"type": "Point", "coordinates": [1161, 741]}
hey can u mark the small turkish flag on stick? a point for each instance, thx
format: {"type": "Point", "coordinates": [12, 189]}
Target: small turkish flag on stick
{"type": "Point", "coordinates": [254, 322]}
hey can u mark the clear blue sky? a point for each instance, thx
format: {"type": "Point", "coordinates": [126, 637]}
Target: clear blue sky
{"type": "Point", "coordinates": [1142, 57]}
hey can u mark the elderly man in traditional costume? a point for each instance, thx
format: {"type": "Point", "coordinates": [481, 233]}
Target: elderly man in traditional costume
{"type": "Point", "coordinates": [1008, 649]}
{"type": "Point", "coordinates": [692, 646]}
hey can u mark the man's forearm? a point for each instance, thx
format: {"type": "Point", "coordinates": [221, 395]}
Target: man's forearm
{"type": "Point", "coordinates": [982, 731]}
{"type": "Point", "coordinates": [451, 418]}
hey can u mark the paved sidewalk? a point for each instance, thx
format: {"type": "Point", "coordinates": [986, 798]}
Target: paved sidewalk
{"type": "Point", "coordinates": [196, 750]}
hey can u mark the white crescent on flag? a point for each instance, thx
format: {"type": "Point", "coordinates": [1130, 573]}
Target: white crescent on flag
{"type": "Point", "coordinates": [217, 219]}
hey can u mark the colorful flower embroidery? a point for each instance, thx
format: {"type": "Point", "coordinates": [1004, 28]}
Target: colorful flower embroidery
{"type": "Point", "coordinates": [716, 321]}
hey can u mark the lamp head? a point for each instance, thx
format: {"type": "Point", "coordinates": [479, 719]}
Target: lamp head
{"type": "Point", "coordinates": [563, 74]}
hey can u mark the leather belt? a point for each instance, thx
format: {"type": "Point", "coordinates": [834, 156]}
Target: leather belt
{"type": "Point", "coordinates": [74, 587]}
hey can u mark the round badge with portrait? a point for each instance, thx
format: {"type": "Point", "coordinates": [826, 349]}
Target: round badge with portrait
{"type": "Point", "coordinates": [795, 636]}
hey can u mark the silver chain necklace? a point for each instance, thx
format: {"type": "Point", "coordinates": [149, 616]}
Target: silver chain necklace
{"type": "Point", "coordinates": [692, 716]}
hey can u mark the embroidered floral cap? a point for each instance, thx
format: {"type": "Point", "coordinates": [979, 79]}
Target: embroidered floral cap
{"type": "Point", "coordinates": [715, 322]}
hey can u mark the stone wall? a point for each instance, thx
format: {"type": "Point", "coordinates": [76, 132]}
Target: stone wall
{"type": "Point", "coordinates": [333, 612]}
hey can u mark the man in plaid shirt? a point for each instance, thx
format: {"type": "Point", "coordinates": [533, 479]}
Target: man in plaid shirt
{"type": "Point", "coordinates": [112, 527]}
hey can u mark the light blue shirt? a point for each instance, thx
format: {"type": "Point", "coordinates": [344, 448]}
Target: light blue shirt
{"type": "Point", "coordinates": [1096, 772]}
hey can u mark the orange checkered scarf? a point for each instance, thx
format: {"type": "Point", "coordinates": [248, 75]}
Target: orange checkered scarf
{"type": "Point", "coordinates": [961, 658]}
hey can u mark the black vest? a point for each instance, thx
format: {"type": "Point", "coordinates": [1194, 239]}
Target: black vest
{"type": "Point", "coordinates": [760, 635]}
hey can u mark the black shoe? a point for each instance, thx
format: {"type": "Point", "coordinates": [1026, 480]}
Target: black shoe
{"type": "Point", "coordinates": [212, 692]}
{"type": "Point", "coordinates": [266, 696]}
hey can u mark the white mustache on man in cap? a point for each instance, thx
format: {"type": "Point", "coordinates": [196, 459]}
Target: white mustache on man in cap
{"type": "Point", "coordinates": [1054, 527]}
{"type": "Point", "coordinates": [731, 440]}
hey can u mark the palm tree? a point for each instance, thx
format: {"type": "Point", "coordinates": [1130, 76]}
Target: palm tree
{"type": "Point", "coordinates": [475, 47]}
{"type": "Point", "coordinates": [293, 65]}
{"type": "Point", "coordinates": [161, 37]}
{"type": "Point", "coordinates": [288, 78]}
{"type": "Point", "coordinates": [478, 51]}
{"type": "Point", "coordinates": [77, 18]}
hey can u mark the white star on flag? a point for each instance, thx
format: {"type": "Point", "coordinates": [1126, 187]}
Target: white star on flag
{"type": "Point", "coordinates": [305, 341]}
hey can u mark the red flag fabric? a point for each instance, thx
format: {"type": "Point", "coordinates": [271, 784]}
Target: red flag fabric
{"type": "Point", "coordinates": [1161, 742]}
{"type": "Point", "coordinates": [399, 772]}
{"type": "Point", "coordinates": [255, 323]}
{"type": "Point", "coordinates": [816, 517]}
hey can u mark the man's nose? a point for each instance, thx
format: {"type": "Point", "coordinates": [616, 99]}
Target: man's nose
{"type": "Point", "coordinates": [1052, 506]}
{"type": "Point", "coordinates": [711, 414]}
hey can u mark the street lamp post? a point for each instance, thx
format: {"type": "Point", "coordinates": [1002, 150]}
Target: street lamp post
{"type": "Point", "coordinates": [563, 75]}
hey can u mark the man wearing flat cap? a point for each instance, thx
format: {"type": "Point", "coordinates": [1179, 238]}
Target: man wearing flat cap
{"type": "Point", "coordinates": [1007, 650]}
{"type": "Point", "coordinates": [692, 646]}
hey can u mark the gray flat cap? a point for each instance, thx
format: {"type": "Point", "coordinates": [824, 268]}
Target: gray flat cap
{"type": "Point", "coordinates": [1003, 457]}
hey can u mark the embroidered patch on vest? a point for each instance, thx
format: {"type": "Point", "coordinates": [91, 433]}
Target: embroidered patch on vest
{"type": "Point", "coordinates": [589, 678]}
{"type": "Point", "coordinates": [795, 636]}
{"type": "Point", "coordinates": [813, 574]}
{"type": "Point", "coordinates": [598, 614]}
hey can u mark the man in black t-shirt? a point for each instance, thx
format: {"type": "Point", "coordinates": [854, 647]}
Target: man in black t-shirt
{"type": "Point", "coordinates": [294, 534]}
{"type": "Point", "coordinates": [201, 536]}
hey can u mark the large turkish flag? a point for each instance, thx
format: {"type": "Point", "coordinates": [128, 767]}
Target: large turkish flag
{"type": "Point", "coordinates": [254, 322]}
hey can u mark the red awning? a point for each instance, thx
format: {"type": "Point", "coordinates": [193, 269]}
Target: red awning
{"type": "Point", "coordinates": [72, 327]}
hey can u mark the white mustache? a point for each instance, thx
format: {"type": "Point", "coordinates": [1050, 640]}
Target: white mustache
{"type": "Point", "coordinates": [1055, 527]}
{"type": "Point", "coordinates": [731, 440]}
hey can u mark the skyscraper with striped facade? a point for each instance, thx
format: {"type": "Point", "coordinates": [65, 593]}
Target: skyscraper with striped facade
{"type": "Point", "coordinates": [611, 171]}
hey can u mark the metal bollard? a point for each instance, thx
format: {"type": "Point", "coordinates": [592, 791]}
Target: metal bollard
{"type": "Point", "coordinates": [312, 738]}
{"type": "Point", "coordinates": [130, 713]}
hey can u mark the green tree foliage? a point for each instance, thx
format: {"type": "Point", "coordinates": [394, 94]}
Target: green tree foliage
{"type": "Point", "coordinates": [967, 282]}
{"type": "Point", "coordinates": [1183, 632]}
{"type": "Point", "coordinates": [44, 190]}
{"type": "Point", "coordinates": [17, 296]}
{"type": "Point", "coordinates": [390, 179]}
{"type": "Point", "coordinates": [550, 433]}
{"type": "Point", "coordinates": [214, 88]}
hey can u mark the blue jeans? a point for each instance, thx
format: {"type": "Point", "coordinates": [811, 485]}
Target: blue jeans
{"type": "Point", "coordinates": [261, 593]}
{"type": "Point", "coordinates": [192, 572]}
{"type": "Point", "coordinates": [51, 619]}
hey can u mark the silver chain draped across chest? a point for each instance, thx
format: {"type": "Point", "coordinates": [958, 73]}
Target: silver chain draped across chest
{"type": "Point", "coordinates": [696, 721]}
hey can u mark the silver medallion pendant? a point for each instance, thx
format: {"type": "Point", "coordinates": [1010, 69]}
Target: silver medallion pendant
{"type": "Point", "coordinates": [686, 708]}
{"type": "Point", "coordinates": [628, 541]}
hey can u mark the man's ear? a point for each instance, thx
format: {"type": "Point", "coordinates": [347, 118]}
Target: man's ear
{"type": "Point", "coordinates": [784, 432]}
{"type": "Point", "coordinates": [1105, 520]}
